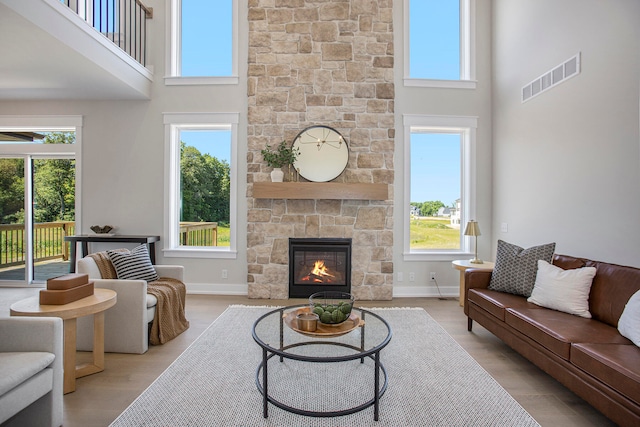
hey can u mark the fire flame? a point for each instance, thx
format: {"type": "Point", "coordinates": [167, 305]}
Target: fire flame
{"type": "Point", "coordinates": [319, 269]}
{"type": "Point", "coordinates": [319, 274]}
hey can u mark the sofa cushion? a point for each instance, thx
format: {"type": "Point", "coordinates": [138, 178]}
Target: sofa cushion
{"type": "Point", "coordinates": [612, 288]}
{"type": "Point", "coordinates": [152, 301]}
{"type": "Point", "coordinates": [497, 302]}
{"type": "Point", "coordinates": [556, 330]}
{"type": "Point", "coordinates": [17, 367]}
{"type": "Point", "coordinates": [563, 290]}
{"type": "Point", "coordinates": [515, 268]}
{"type": "Point", "coordinates": [629, 323]}
{"type": "Point", "coordinates": [134, 265]}
{"type": "Point", "coordinates": [616, 365]}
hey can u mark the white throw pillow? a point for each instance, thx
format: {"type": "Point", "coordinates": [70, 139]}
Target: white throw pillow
{"type": "Point", "coordinates": [629, 323]}
{"type": "Point", "coordinates": [563, 290]}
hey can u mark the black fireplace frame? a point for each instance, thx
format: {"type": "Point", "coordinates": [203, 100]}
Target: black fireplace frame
{"type": "Point", "coordinates": [318, 245]}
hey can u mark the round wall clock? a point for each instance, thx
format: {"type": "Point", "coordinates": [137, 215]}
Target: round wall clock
{"type": "Point", "coordinates": [323, 153]}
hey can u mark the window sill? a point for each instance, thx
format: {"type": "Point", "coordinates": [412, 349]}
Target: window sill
{"type": "Point", "coordinates": [436, 256]}
{"type": "Point", "coordinates": [447, 84]}
{"type": "Point", "coordinates": [196, 252]}
{"type": "Point", "coordinates": [200, 81]}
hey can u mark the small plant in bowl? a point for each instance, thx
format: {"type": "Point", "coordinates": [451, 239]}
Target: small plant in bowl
{"type": "Point", "coordinates": [332, 307]}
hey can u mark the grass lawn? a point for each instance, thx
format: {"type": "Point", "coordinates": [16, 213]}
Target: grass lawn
{"type": "Point", "coordinates": [224, 236]}
{"type": "Point", "coordinates": [433, 233]}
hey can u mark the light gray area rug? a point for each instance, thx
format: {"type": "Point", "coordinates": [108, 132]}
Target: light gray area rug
{"type": "Point", "coordinates": [432, 382]}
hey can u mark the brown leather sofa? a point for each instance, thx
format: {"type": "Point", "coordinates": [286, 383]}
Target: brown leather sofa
{"type": "Point", "coordinates": [588, 356]}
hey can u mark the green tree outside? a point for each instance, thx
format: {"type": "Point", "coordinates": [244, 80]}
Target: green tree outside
{"type": "Point", "coordinates": [205, 187]}
{"type": "Point", "coordinates": [11, 191]}
{"type": "Point", "coordinates": [54, 186]}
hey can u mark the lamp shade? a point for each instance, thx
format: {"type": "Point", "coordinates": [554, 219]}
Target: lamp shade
{"type": "Point", "coordinates": [472, 229]}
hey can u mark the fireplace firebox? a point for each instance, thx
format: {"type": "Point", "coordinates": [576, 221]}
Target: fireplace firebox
{"type": "Point", "coordinates": [319, 264]}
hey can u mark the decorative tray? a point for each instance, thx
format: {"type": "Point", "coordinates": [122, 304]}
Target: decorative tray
{"type": "Point", "coordinates": [323, 330]}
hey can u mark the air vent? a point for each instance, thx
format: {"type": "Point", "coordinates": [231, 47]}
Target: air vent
{"type": "Point", "coordinates": [551, 78]}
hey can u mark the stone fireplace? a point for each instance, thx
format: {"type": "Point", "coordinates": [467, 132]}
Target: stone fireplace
{"type": "Point", "coordinates": [322, 63]}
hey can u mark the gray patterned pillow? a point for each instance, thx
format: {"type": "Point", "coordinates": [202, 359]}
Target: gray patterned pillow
{"type": "Point", "coordinates": [516, 268]}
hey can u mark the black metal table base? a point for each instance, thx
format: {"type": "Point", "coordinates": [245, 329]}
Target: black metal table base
{"type": "Point", "coordinates": [263, 387]}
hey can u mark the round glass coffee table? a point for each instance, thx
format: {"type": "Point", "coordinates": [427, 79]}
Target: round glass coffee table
{"type": "Point", "coordinates": [333, 371]}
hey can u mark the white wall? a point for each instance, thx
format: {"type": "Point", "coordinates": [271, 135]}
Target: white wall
{"type": "Point", "coordinates": [566, 164]}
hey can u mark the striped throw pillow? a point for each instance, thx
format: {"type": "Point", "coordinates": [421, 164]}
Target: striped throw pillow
{"type": "Point", "coordinates": [133, 265]}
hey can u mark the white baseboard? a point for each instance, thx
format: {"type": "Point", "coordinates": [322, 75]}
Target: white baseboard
{"type": "Point", "coordinates": [398, 291]}
{"type": "Point", "coordinates": [217, 289]}
{"type": "Point", "coordinates": [425, 292]}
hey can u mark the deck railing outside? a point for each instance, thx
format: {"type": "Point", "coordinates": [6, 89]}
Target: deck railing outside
{"type": "Point", "coordinates": [199, 233]}
{"type": "Point", "coordinates": [48, 242]}
{"type": "Point", "coordinates": [124, 22]}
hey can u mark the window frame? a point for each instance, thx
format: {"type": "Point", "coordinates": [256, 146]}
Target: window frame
{"type": "Point", "coordinates": [174, 123]}
{"type": "Point", "coordinates": [466, 126]}
{"type": "Point", "coordinates": [173, 44]}
{"type": "Point", "coordinates": [467, 51]}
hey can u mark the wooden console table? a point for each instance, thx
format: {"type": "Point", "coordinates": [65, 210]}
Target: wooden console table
{"type": "Point", "coordinates": [86, 238]}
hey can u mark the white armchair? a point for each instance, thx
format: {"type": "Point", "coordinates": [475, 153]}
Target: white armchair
{"type": "Point", "coordinates": [126, 325]}
{"type": "Point", "coordinates": [31, 371]}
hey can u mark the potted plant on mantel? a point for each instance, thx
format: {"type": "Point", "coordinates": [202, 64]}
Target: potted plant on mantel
{"type": "Point", "coordinates": [279, 157]}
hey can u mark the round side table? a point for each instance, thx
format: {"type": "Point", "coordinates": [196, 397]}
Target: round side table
{"type": "Point", "coordinates": [465, 264]}
{"type": "Point", "coordinates": [96, 304]}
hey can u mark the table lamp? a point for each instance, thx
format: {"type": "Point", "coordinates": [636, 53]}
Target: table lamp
{"type": "Point", "coordinates": [473, 230]}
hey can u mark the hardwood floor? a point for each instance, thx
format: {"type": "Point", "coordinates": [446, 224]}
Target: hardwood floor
{"type": "Point", "coordinates": [99, 398]}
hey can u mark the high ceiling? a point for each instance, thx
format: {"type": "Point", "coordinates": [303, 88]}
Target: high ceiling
{"type": "Point", "coordinates": [46, 55]}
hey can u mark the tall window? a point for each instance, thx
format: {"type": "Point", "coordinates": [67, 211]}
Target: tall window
{"type": "Point", "coordinates": [439, 169]}
{"type": "Point", "coordinates": [203, 42]}
{"type": "Point", "coordinates": [438, 43]}
{"type": "Point", "coordinates": [201, 180]}
{"type": "Point", "coordinates": [37, 196]}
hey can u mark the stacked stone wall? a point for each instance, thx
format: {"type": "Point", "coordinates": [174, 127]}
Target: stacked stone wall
{"type": "Point", "coordinates": [322, 62]}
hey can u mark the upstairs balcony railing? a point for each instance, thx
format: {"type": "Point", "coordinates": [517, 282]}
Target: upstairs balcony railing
{"type": "Point", "coordinates": [124, 22]}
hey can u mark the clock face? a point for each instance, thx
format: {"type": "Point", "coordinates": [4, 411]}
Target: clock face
{"type": "Point", "coordinates": [323, 153]}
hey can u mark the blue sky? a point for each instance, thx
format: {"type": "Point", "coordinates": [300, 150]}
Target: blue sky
{"type": "Point", "coordinates": [206, 38]}
{"type": "Point", "coordinates": [434, 53]}
{"type": "Point", "coordinates": [216, 143]}
{"type": "Point", "coordinates": [435, 25]}
{"type": "Point", "coordinates": [435, 168]}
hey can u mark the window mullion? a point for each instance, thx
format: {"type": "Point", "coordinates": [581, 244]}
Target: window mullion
{"type": "Point", "coordinates": [28, 217]}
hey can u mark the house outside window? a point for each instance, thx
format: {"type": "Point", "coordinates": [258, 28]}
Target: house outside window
{"type": "Point", "coordinates": [201, 170]}
{"type": "Point", "coordinates": [439, 169]}
{"type": "Point", "coordinates": [439, 43]}
{"type": "Point", "coordinates": [203, 46]}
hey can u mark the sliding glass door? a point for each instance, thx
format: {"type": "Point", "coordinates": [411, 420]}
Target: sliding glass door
{"type": "Point", "coordinates": [37, 206]}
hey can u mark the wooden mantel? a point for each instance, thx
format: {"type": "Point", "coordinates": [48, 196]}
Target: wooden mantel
{"type": "Point", "coordinates": [320, 190]}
